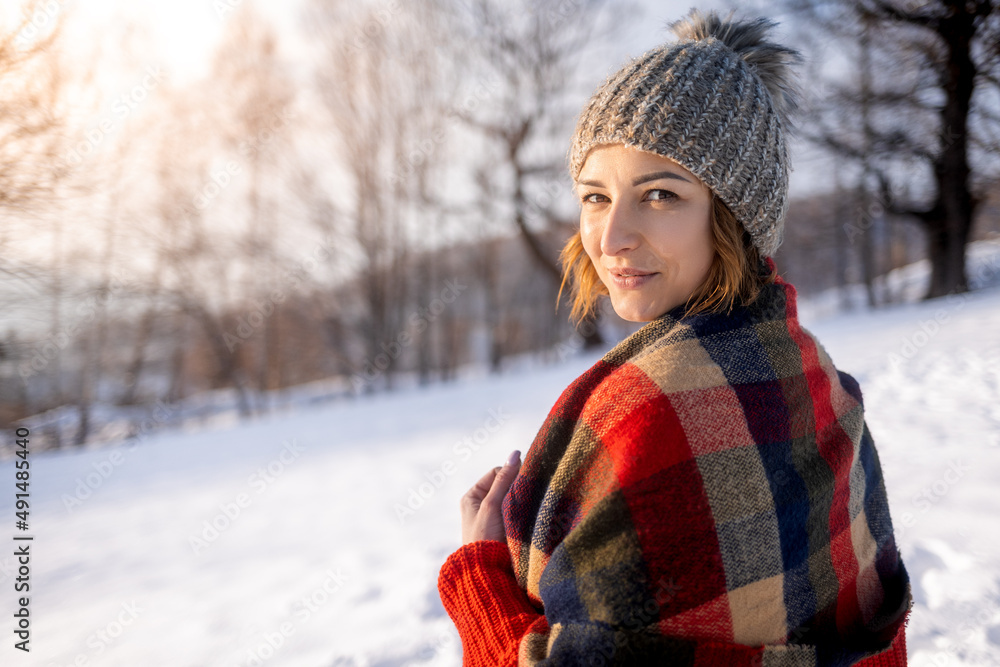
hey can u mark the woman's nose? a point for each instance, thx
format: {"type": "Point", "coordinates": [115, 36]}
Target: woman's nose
{"type": "Point", "coordinates": [620, 231]}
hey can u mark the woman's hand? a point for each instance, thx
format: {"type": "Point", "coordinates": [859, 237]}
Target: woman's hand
{"type": "Point", "coordinates": [482, 517]}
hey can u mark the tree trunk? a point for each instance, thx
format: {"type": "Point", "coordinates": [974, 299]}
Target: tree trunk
{"type": "Point", "coordinates": [175, 391]}
{"type": "Point", "coordinates": [138, 362]}
{"type": "Point", "coordinates": [946, 250]}
{"type": "Point", "coordinates": [229, 366]}
{"type": "Point", "coordinates": [869, 270]}
{"type": "Point", "coordinates": [948, 232]}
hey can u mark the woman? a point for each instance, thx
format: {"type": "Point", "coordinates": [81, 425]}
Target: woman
{"type": "Point", "coordinates": [708, 493]}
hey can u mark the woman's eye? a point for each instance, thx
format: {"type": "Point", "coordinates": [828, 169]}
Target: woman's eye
{"type": "Point", "coordinates": [652, 195]}
{"type": "Point", "coordinates": [661, 195]}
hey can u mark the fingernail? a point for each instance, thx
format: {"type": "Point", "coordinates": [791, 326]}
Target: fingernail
{"type": "Point", "coordinates": [514, 457]}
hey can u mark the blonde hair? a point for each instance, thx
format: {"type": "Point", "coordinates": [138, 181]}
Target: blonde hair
{"type": "Point", "coordinates": [733, 279]}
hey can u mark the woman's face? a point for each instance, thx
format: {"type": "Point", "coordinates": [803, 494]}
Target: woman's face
{"type": "Point", "coordinates": [645, 223]}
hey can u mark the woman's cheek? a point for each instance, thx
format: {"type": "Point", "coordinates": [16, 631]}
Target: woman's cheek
{"type": "Point", "coordinates": [590, 235]}
{"type": "Point", "coordinates": [595, 260]}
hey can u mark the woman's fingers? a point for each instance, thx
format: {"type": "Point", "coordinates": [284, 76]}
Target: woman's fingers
{"type": "Point", "coordinates": [472, 501]}
{"type": "Point", "coordinates": [481, 488]}
{"type": "Point", "coordinates": [505, 476]}
{"type": "Point", "coordinates": [482, 505]}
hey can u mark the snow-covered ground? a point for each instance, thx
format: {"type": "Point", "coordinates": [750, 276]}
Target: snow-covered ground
{"type": "Point", "coordinates": [313, 538]}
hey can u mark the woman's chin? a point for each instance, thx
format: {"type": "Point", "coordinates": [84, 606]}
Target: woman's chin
{"type": "Point", "coordinates": [632, 310]}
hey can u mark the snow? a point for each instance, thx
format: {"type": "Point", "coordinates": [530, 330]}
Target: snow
{"type": "Point", "coordinates": [310, 564]}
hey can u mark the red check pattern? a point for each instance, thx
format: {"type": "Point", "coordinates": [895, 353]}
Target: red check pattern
{"type": "Point", "coordinates": [706, 494]}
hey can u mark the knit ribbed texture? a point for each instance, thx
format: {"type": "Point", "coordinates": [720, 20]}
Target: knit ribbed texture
{"type": "Point", "coordinates": [479, 592]}
{"type": "Point", "coordinates": [717, 102]}
{"type": "Point", "coordinates": [894, 656]}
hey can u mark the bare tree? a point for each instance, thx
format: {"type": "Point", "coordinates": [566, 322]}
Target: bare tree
{"type": "Point", "coordinates": [534, 52]}
{"type": "Point", "coordinates": [194, 267]}
{"type": "Point", "coordinates": [376, 80]}
{"type": "Point", "coordinates": [31, 124]}
{"type": "Point", "coordinates": [923, 112]}
{"type": "Point", "coordinates": [259, 94]}
{"type": "Point", "coordinates": [32, 142]}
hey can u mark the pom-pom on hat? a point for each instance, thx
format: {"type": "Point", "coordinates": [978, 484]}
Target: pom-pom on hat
{"type": "Point", "coordinates": [718, 101]}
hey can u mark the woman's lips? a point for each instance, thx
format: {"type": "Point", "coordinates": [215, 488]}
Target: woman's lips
{"type": "Point", "coordinates": [631, 278]}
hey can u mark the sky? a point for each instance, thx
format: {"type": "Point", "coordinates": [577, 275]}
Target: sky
{"type": "Point", "coordinates": [180, 33]}
{"type": "Point", "coordinates": [183, 33]}
{"type": "Point", "coordinates": [179, 37]}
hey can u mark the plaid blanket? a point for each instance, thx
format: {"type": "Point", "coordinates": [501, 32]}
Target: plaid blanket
{"type": "Point", "coordinates": [709, 486]}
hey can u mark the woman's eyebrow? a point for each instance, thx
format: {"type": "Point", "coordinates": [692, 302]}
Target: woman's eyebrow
{"type": "Point", "coordinates": [657, 175]}
{"type": "Point", "coordinates": [642, 179]}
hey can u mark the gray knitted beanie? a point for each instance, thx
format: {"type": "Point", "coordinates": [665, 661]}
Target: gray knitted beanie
{"type": "Point", "coordinates": [718, 102]}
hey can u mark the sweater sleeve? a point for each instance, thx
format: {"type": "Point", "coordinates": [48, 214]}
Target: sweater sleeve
{"type": "Point", "coordinates": [480, 593]}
